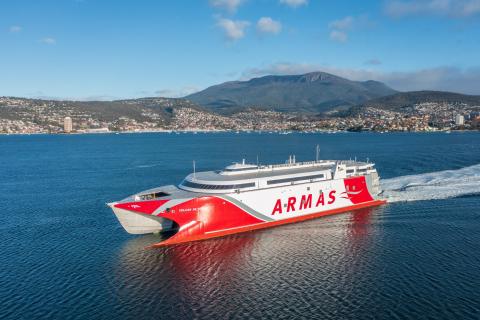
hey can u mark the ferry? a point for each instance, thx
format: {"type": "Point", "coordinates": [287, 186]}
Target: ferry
{"type": "Point", "coordinates": [244, 197]}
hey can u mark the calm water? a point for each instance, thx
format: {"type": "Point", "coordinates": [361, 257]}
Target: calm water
{"type": "Point", "coordinates": [63, 254]}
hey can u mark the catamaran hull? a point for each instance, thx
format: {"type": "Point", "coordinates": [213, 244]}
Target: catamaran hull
{"type": "Point", "coordinates": [139, 223]}
{"type": "Point", "coordinates": [211, 216]}
{"type": "Point", "coordinates": [198, 235]}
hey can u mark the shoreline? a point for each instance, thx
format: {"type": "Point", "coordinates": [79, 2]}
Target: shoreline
{"type": "Point", "coordinates": [280, 132]}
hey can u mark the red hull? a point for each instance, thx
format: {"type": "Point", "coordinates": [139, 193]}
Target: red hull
{"type": "Point", "coordinates": [193, 233]}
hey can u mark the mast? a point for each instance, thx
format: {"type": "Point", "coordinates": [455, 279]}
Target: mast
{"type": "Point", "coordinates": [193, 169]}
{"type": "Point", "coordinates": [317, 153]}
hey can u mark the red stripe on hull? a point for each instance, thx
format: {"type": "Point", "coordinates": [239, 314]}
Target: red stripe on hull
{"type": "Point", "coordinates": [185, 236]}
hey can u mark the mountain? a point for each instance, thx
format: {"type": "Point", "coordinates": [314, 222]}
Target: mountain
{"type": "Point", "coordinates": [400, 100]}
{"type": "Point", "coordinates": [314, 92]}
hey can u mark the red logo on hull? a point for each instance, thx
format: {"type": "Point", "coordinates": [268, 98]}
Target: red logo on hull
{"type": "Point", "coordinates": [305, 202]}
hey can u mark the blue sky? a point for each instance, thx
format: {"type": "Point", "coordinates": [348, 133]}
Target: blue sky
{"type": "Point", "coordinates": [94, 49]}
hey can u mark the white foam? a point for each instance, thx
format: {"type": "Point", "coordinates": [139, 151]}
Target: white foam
{"type": "Point", "coordinates": [143, 166]}
{"type": "Point", "coordinates": [433, 185]}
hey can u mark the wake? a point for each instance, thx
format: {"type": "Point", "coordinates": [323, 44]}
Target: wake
{"type": "Point", "coordinates": [433, 185]}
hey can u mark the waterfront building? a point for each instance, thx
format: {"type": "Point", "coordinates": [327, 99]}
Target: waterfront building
{"type": "Point", "coordinates": [67, 125]}
{"type": "Point", "coordinates": [459, 120]}
{"type": "Point", "coordinates": [98, 130]}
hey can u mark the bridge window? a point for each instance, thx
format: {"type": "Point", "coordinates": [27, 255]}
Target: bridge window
{"type": "Point", "coordinates": [151, 196]}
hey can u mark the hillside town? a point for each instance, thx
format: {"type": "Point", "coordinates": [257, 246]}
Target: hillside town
{"type": "Point", "coordinates": [27, 116]}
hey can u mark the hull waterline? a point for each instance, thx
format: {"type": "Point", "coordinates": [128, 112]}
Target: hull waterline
{"type": "Point", "coordinates": [222, 233]}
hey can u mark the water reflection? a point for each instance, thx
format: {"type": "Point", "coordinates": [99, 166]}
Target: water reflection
{"type": "Point", "coordinates": [362, 227]}
{"type": "Point", "coordinates": [228, 275]}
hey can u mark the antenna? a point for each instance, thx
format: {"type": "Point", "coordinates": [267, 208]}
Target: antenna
{"type": "Point", "coordinates": [317, 153]}
{"type": "Point", "coordinates": [193, 169]}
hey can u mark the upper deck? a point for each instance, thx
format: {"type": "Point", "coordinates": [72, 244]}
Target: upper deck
{"type": "Point", "coordinates": [244, 177]}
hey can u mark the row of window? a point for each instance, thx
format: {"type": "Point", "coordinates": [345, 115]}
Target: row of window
{"type": "Point", "coordinates": [190, 184]}
{"type": "Point", "coordinates": [239, 169]}
{"type": "Point", "coordinates": [316, 176]}
{"type": "Point", "coordinates": [358, 170]}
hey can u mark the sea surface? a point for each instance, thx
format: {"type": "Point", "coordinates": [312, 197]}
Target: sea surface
{"type": "Point", "coordinates": [64, 256]}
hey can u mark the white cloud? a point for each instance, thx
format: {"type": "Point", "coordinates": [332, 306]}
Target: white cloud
{"type": "Point", "coordinates": [229, 5]}
{"type": "Point", "coordinates": [166, 93]}
{"type": "Point", "coordinates": [339, 36]}
{"type": "Point", "coordinates": [294, 3]}
{"type": "Point", "coordinates": [452, 8]}
{"type": "Point", "coordinates": [178, 93]}
{"type": "Point", "coordinates": [339, 28]}
{"type": "Point", "coordinates": [233, 29]}
{"type": "Point", "coordinates": [373, 62]}
{"type": "Point", "coordinates": [342, 24]}
{"type": "Point", "coordinates": [440, 78]}
{"type": "Point", "coordinates": [268, 25]}
{"type": "Point", "coordinates": [48, 40]}
{"type": "Point", "coordinates": [15, 29]}
{"type": "Point", "coordinates": [281, 68]}
{"type": "Point", "coordinates": [97, 97]}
